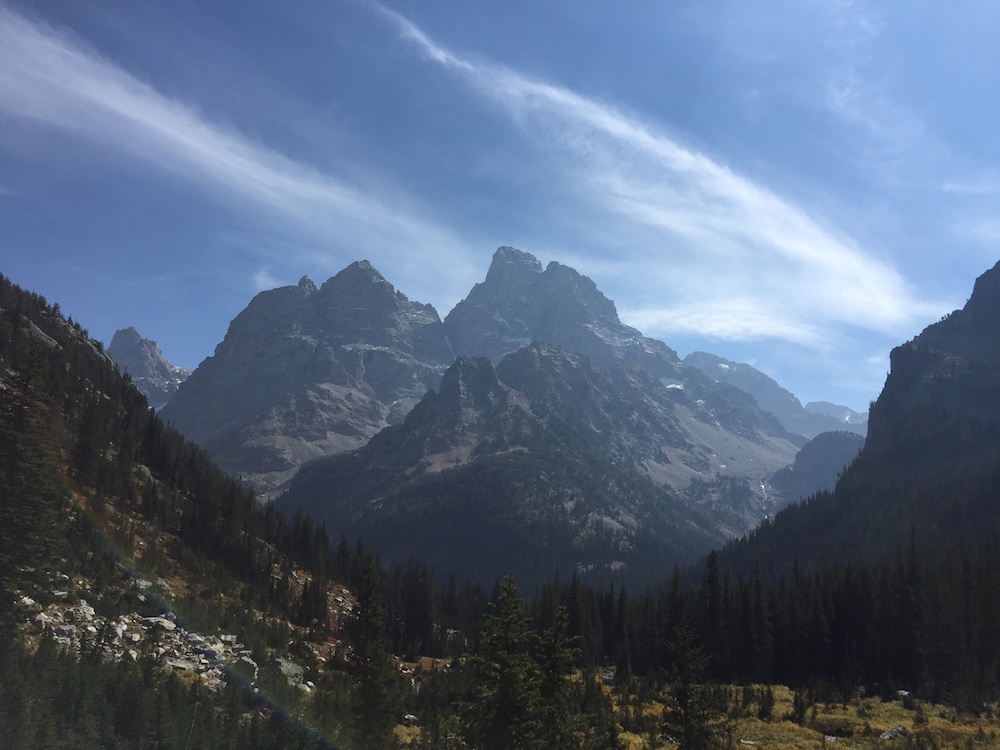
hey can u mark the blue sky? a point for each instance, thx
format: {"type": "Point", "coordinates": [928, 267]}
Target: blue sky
{"type": "Point", "coordinates": [799, 185]}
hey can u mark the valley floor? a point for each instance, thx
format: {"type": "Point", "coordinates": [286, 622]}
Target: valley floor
{"type": "Point", "coordinates": [859, 724]}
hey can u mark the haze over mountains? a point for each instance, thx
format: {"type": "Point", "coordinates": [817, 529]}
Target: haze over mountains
{"type": "Point", "coordinates": [811, 420]}
{"type": "Point", "coordinates": [305, 372]}
{"type": "Point", "coordinates": [537, 363]}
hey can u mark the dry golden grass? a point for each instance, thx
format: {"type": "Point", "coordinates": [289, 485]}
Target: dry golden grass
{"type": "Point", "coordinates": [856, 725]}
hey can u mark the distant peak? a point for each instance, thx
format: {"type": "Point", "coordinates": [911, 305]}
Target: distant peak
{"type": "Point", "coordinates": [506, 255]}
{"type": "Point", "coordinates": [127, 333]}
{"type": "Point", "coordinates": [306, 285]}
{"type": "Point", "coordinates": [362, 268]}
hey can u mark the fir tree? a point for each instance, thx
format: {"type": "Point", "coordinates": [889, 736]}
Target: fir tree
{"type": "Point", "coordinates": [689, 716]}
{"type": "Point", "coordinates": [556, 658]}
{"type": "Point", "coordinates": [502, 713]}
{"type": "Point", "coordinates": [372, 704]}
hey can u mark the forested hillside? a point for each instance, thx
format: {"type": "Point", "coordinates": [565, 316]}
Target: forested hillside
{"type": "Point", "coordinates": [149, 600]}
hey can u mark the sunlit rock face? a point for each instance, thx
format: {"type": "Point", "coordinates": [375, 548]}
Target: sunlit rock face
{"type": "Point", "coordinates": [306, 371]}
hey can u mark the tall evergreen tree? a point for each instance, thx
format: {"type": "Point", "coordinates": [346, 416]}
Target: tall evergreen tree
{"type": "Point", "coordinates": [556, 658]}
{"type": "Point", "coordinates": [689, 716]}
{"type": "Point", "coordinates": [502, 713]}
{"type": "Point", "coordinates": [372, 704]}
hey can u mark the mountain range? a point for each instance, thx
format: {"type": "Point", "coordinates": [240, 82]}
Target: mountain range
{"type": "Point", "coordinates": [890, 578]}
{"type": "Point", "coordinates": [810, 420]}
{"type": "Point", "coordinates": [306, 372]}
{"type": "Point", "coordinates": [531, 376]}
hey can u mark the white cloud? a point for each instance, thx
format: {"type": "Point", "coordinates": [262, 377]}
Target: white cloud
{"type": "Point", "coordinates": [734, 259]}
{"type": "Point", "coordinates": [48, 78]}
{"type": "Point", "coordinates": [732, 319]}
{"type": "Point", "coordinates": [263, 279]}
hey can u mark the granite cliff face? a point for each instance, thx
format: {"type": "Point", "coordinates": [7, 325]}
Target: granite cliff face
{"type": "Point", "coordinates": [142, 359]}
{"type": "Point", "coordinates": [306, 371]}
{"type": "Point", "coordinates": [546, 462]}
{"type": "Point", "coordinates": [941, 401]}
{"type": "Point", "coordinates": [519, 303]}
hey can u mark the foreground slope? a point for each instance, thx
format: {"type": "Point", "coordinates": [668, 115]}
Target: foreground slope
{"type": "Point", "coordinates": [146, 599]}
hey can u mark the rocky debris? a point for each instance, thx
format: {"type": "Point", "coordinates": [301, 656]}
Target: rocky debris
{"type": "Point", "coordinates": [896, 731]}
{"type": "Point", "coordinates": [289, 670]}
{"type": "Point", "coordinates": [76, 625]}
{"type": "Point", "coordinates": [131, 635]}
{"type": "Point", "coordinates": [246, 668]}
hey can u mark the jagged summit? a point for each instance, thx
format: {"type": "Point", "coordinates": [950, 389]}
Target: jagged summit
{"type": "Point", "coordinates": [306, 285]}
{"type": "Point", "coordinates": [152, 374]}
{"type": "Point", "coordinates": [519, 303]}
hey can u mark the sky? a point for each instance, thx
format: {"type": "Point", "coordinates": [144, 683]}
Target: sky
{"type": "Point", "coordinates": [800, 185]}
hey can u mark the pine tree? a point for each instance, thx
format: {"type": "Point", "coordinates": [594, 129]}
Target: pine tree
{"type": "Point", "coordinates": [689, 718]}
{"type": "Point", "coordinates": [502, 713]}
{"type": "Point", "coordinates": [556, 657]}
{"type": "Point", "coordinates": [372, 704]}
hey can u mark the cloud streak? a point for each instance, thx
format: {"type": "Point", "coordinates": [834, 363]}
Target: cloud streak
{"type": "Point", "coordinates": [740, 262]}
{"type": "Point", "coordinates": [48, 78]}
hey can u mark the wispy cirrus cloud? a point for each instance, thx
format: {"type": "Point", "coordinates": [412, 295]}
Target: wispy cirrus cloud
{"type": "Point", "coordinates": [49, 77]}
{"type": "Point", "coordinates": [736, 259]}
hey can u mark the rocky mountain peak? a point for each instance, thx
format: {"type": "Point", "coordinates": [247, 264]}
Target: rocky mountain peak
{"type": "Point", "coordinates": [156, 378]}
{"type": "Point", "coordinates": [519, 303]}
{"type": "Point", "coordinates": [512, 266]}
{"type": "Point", "coordinates": [305, 372]}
